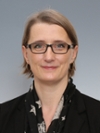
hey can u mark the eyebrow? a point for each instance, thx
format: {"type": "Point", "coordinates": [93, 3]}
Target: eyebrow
{"type": "Point", "coordinates": [55, 41]}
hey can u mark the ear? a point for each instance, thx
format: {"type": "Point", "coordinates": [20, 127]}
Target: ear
{"type": "Point", "coordinates": [24, 51]}
{"type": "Point", "coordinates": [74, 54]}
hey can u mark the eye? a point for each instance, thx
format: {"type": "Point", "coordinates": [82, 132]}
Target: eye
{"type": "Point", "coordinates": [60, 45]}
{"type": "Point", "coordinates": [37, 46]}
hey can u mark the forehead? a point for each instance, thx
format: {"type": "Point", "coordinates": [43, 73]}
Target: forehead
{"type": "Point", "coordinates": [45, 31]}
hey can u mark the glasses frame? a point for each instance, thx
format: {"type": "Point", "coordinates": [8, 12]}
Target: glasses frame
{"type": "Point", "coordinates": [70, 46]}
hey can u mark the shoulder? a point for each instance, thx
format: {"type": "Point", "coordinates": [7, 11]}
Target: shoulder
{"type": "Point", "coordinates": [17, 99]}
{"type": "Point", "coordinates": [89, 102]}
{"type": "Point", "coordinates": [11, 105]}
{"type": "Point", "coordinates": [91, 108]}
{"type": "Point", "coordinates": [11, 111]}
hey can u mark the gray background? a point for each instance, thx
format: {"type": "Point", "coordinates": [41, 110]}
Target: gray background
{"type": "Point", "coordinates": [85, 17]}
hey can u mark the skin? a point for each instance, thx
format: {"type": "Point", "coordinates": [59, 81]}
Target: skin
{"type": "Point", "coordinates": [50, 70]}
{"type": "Point", "coordinates": [49, 67]}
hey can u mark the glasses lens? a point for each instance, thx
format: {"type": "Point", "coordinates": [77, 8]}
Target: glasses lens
{"type": "Point", "coordinates": [38, 47]}
{"type": "Point", "coordinates": [60, 47]}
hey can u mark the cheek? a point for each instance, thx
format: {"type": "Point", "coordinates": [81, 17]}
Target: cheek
{"type": "Point", "coordinates": [64, 60]}
{"type": "Point", "coordinates": [64, 65]}
{"type": "Point", "coordinates": [34, 59]}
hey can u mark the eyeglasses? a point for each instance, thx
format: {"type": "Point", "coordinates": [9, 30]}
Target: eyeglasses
{"type": "Point", "coordinates": [57, 47]}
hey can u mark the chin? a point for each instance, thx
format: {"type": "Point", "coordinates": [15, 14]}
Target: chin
{"type": "Point", "coordinates": [46, 77]}
{"type": "Point", "coordinates": [50, 79]}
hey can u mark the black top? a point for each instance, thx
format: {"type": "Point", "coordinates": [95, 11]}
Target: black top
{"type": "Point", "coordinates": [83, 115]}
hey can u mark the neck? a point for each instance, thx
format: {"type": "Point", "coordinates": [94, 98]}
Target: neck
{"type": "Point", "coordinates": [50, 93]}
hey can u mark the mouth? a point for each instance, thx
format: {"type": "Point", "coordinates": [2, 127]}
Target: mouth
{"type": "Point", "coordinates": [49, 67]}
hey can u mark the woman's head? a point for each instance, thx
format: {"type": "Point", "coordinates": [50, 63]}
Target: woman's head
{"type": "Point", "coordinates": [50, 17]}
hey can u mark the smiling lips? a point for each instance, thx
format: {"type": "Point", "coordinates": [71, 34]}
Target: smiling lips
{"type": "Point", "coordinates": [49, 67]}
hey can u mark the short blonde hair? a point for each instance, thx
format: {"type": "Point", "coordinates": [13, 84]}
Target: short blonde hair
{"type": "Point", "coordinates": [51, 17]}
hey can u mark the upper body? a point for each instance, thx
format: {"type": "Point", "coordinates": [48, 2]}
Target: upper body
{"type": "Point", "coordinates": [82, 115]}
{"type": "Point", "coordinates": [50, 49]}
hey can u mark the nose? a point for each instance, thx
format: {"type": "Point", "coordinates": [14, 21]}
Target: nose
{"type": "Point", "coordinates": [49, 55]}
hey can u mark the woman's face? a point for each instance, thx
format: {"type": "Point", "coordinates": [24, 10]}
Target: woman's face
{"type": "Point", "coordinates": [49, 67]}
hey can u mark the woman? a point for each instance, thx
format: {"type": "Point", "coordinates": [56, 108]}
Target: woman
{"type": "Point", "coordinates": [53, 104]}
